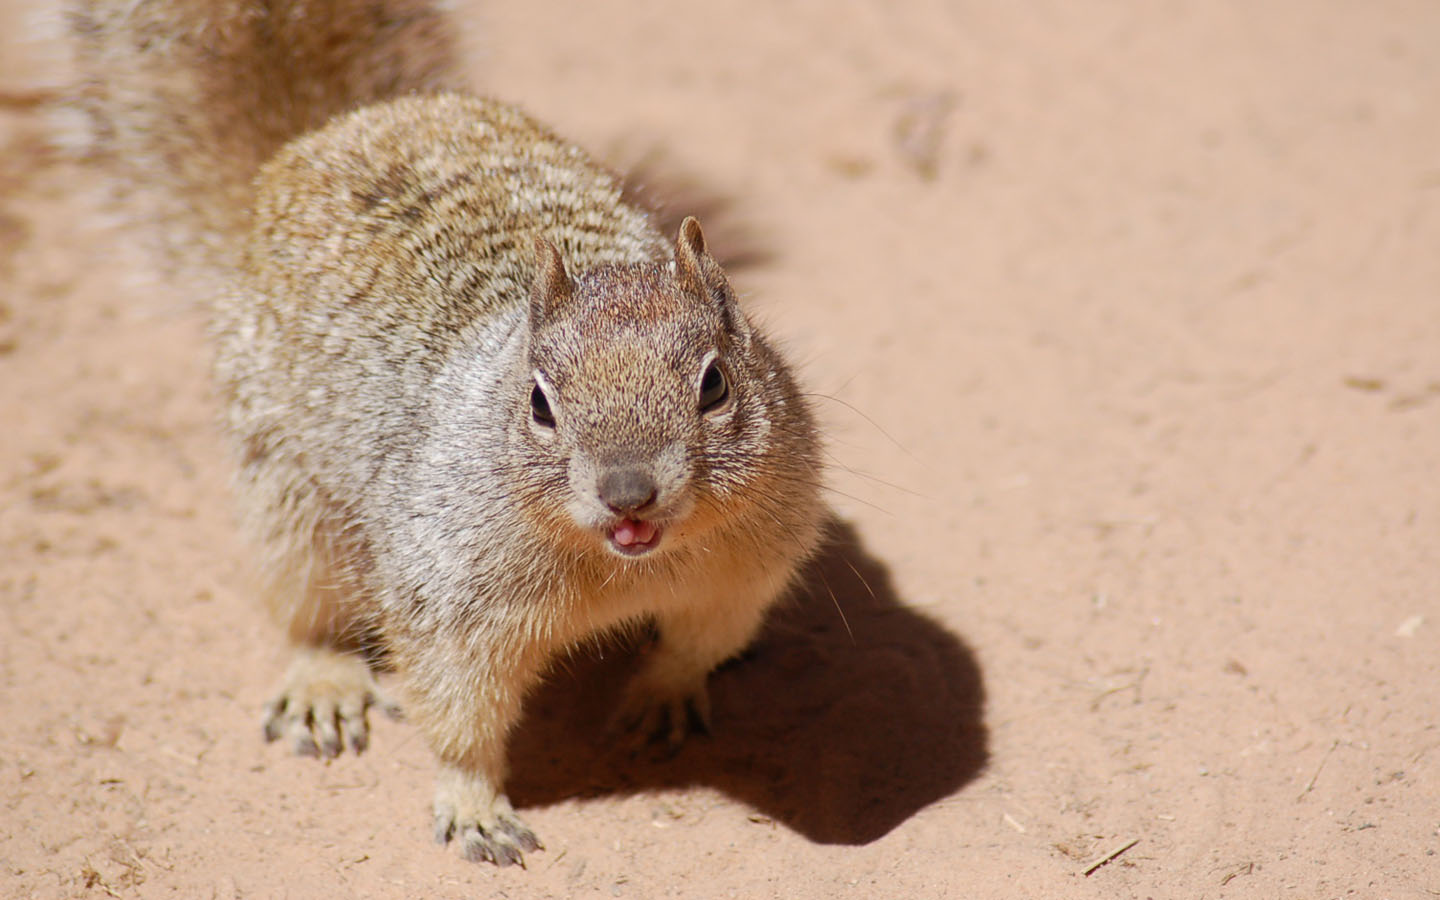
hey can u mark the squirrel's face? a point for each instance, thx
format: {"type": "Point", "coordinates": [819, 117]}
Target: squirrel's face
{"type": "Point", "coordinates": [646, 403]}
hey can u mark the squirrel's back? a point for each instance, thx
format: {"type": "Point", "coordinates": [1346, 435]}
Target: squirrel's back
{"type": "Point", "coordinates": [437, 198]}
{"type": "Point", "coordinates": [388, 242]}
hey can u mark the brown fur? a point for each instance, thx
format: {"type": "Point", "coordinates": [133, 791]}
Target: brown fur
{"type": "Point", "coordinates": [406, 273]}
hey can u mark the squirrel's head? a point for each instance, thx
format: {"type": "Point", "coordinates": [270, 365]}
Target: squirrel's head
{"type": "Point", "coordinates": [652, 403]}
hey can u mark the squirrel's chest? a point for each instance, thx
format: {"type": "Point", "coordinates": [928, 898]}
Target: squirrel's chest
{"type": "Point", "coordinates": [659, 592]}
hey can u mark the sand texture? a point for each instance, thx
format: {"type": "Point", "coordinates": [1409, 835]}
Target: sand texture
{"type": "Point", "coordinates": [1124, 322]}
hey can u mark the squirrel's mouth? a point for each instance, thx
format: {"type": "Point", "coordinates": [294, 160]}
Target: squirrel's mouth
{"type": "Point", "coordinates": [634, 537]}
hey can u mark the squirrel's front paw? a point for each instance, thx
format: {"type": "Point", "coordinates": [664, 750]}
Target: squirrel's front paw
{"type": "Point", "coordinates": [483, 822]}
{"type": "Point", "coordinates": [323, 703]}
{"type": "Point", "coordinates": [653, 713]}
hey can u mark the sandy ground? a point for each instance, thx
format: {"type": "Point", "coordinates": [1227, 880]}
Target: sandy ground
{"type": "Point", "coordinates": [1125, 323]}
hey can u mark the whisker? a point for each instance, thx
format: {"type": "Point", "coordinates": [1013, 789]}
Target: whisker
{"type": "Point", "coordinates": [835, 601]}
{"type": "Point", "coordinates": [876, 425]}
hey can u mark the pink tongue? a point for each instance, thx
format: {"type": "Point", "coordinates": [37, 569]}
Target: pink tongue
{"type": "Point", "coordinates": [631, 532]}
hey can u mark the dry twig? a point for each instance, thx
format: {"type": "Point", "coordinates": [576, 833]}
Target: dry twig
{"type": "Point", "coordinates": [1101, 860]}
{"type": "Point", "coordinates": [1318, 769]}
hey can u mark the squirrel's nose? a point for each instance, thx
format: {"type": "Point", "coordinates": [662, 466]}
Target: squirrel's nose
{"type": "Point", "coordinates": [627, 490]}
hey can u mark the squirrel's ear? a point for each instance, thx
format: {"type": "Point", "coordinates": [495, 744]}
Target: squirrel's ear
{"type": "Point", "coordinates": [551, 288]}
{"type": "Point", "coordinates": [696, 269]}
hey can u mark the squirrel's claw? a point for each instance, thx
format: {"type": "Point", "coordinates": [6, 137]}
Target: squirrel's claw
{"type": "Point", "coordinates": [666, 719]}
{"type": "Point", "coordinates": [323, 704]}
{"type": "Point", "coordinates": [505, 844]}
{"type": "Point", "coordinates": [486, 832]}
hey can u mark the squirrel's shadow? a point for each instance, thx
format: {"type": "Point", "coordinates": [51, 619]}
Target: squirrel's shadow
{"type": "Point", "coordinates": [849, 715]}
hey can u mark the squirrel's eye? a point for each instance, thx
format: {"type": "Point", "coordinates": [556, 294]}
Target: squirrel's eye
{"type": "Point", "coordinates": [540, 408]}
{"type": "Point", "coordinates": [714, 388]}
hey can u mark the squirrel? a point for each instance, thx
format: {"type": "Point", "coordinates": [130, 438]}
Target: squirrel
{"type": "Point", "coordinates": [482, 411]}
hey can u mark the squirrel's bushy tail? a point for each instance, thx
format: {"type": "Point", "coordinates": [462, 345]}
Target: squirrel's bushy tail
{"type": "Point", "coordinates": [189, 97]}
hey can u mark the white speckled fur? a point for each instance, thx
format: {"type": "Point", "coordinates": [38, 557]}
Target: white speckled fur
{"type": "Point", "coordinates": [395, 280]}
